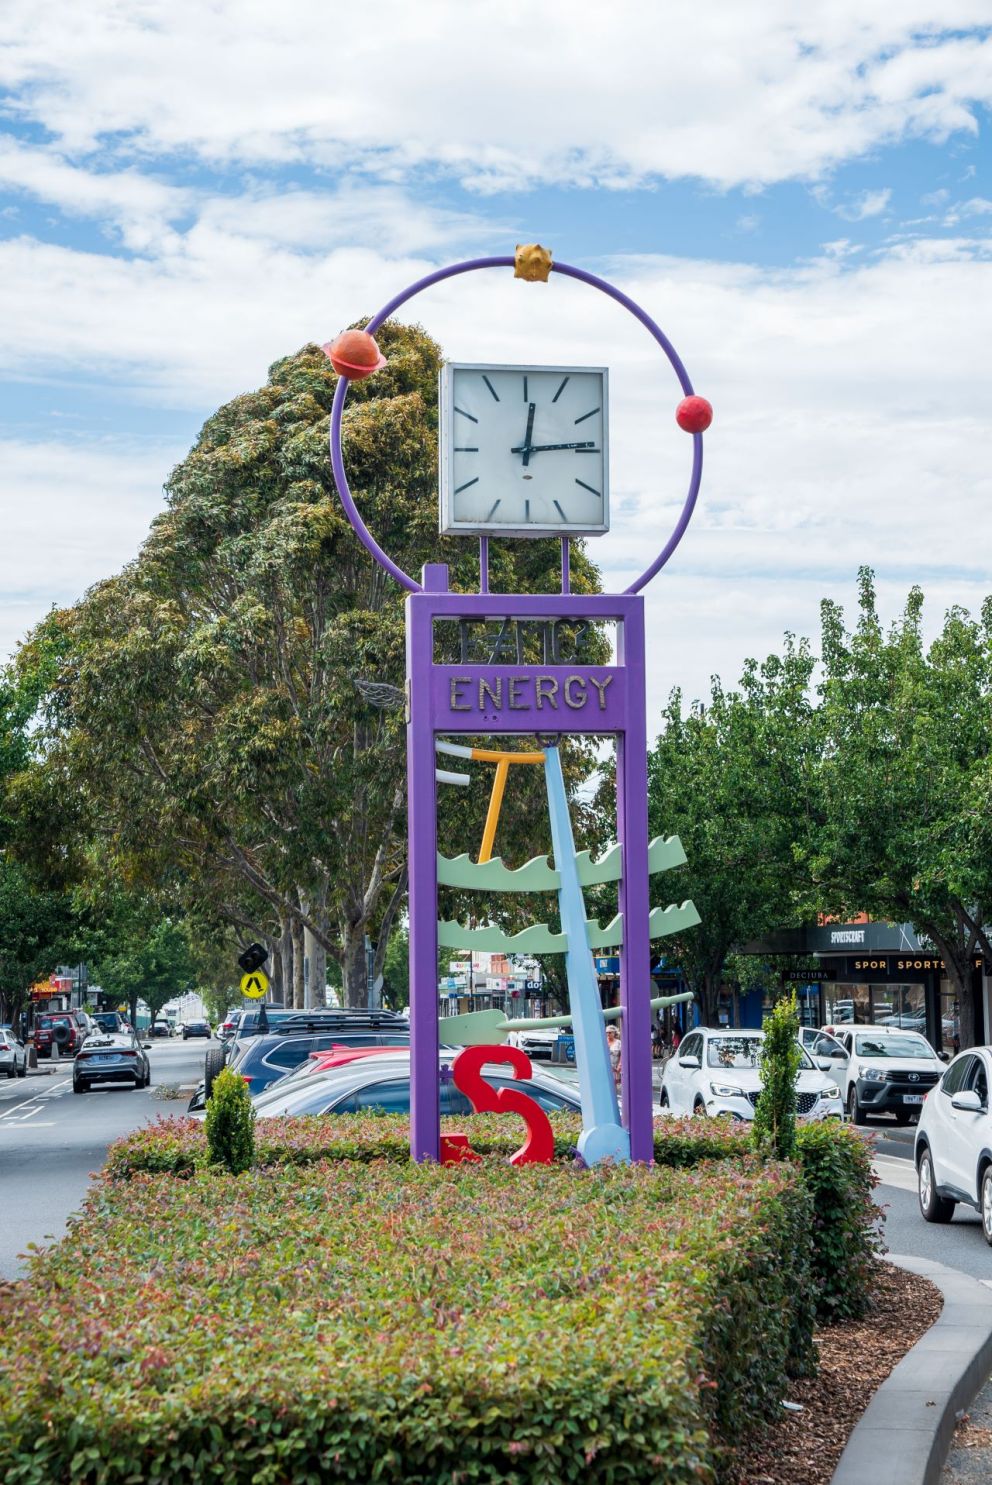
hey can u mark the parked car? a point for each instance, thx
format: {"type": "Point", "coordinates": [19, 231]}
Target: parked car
{"type": "Point", "coordinates": [538, 1044]}
{"type": "Point", "coordinates": [262, 1060]}
{"type": "Point", "coordinates": [716, 1071]}
{"type": "Point", "coordinates": [888, 1071]}
{"type": "Point", "coordinates": [110, 1023]}
{"type": "Point", "coordinates": [160, 1028]}
{"type": "Point", "coordinates": [115, 1058]}
{"type": "Point", "coordinates": [60, 1033]}
{"type": "Point", "coordinates": [13, 1054]}
{"type": "Point", "coordinates": [228, 1025]}
{"type": "Point", "coordinates": [954, 1141]}
{"type": "Point", "coordinates": [383, 1083]}
{"type": "Point", "coordinates": [825, 1050]}
{"type": "Point", "coordinates": [195, 1028]}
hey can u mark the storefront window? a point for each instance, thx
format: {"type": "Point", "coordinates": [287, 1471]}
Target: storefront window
{"type": "Point", "coordinates": [876, 1005]}
{"type": "Point", "coordinates": [950, 1028]}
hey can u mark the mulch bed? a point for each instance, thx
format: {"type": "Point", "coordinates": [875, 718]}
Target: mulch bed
{"type": "Point", "coordinates": [855, 1359]}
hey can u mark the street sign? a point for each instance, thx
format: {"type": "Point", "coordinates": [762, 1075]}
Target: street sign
{"type": "Point", "coordinates": [253, 958]}
{"type": "Point", "coordinates": [255, 984]}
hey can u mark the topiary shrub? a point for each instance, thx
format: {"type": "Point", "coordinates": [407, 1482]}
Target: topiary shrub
{"type": "Point", "coordinates": [231, 1124]}
{"type": "Point", "coordinates": [781, 1058]}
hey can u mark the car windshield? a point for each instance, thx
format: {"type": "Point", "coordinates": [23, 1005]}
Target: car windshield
{"type": "Point", "coordinates": [892, 1046]}
{"type": "Point", "coordinates": [733, 1051]}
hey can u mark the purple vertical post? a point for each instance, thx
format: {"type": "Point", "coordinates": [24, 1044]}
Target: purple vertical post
{"type": "Point", "coordinates": [425, 1120]}
{"type": "Point", "coordinates": [632, 832]}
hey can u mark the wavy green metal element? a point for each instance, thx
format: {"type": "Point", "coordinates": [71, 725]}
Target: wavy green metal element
{"type": "Point", "coordinates": [538, 875]}
{"type": "Point", "coordinates": [538, 938]}
{"type": "Point", "coordinates": [461, 871]}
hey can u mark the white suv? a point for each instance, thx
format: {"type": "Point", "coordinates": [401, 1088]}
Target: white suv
{"type": "Point", "coordinates": [888, 1071]}
{"type": "Point", "coordinates": [719, 1072]}
{"type": "Point", "coordinates": [954, 1141]}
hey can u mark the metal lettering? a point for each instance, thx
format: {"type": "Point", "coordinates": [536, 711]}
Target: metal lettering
{"type": "Point", "coordinates": [515, 703]}
{"type": "Point", "coordinates": [496, 697]}
{"type": "Point", "coordinates": [601, 688]}
{"type": "Point", "coordinates": [546, 689]}
{"type": "Point", "coordinates": [570, 682]}
{"type": "Point", "coordinates": [454, 701]}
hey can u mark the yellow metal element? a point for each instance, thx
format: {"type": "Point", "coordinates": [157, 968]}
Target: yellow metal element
{"type": "Point", "coordinates": [492, 816]}
{"type": "Point", "coordinates": [489, 755]}
{"type": "Point", "coordinates": [502, 762]}
{"type": "Point", "coordinates": [532, 262]}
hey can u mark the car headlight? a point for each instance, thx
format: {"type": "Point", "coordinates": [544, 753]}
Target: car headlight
{"type": "Point", "coordinates": [832, 1092]}
{"type": "Point", "coordinates": [873, 1075]}
{"type": "Point", "coordinates": [726, 1090]}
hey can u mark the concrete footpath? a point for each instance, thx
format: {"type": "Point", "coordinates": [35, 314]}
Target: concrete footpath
{"type": "Point", "coordinates": [905, 1433]}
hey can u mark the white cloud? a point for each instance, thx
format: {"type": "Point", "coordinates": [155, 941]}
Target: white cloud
{"type": "Point", "coordinates": [73, 513]}
{"type": "Point", "coordinates": [849, 427]}
{"type": "Point", "coordinates": [502, 93]}
{"type": "Point", "coordinates": [868, 204]}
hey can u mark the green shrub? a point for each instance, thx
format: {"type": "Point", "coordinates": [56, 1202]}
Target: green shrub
{"type": "Point", "coordinates": [781, 1059]}
{"type": "Point", "coordinates": [834, 1159]}
{"type": "Point", "coordinates": [354, 1322]}
{"type": "Point", "coordinates": [230, 1123]}
{"type": "Point", "coordinates": [837, 1171]}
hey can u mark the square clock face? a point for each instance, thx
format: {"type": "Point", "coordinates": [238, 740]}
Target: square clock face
{"type": "Point", "coordinates": [524, 450]}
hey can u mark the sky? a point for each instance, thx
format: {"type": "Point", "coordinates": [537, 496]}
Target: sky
{"type": "Point", "coordinates": [799, 195]}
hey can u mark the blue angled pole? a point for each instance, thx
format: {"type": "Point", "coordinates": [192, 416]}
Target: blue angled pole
{"type": "Point", "coordinates": [603, 1137]}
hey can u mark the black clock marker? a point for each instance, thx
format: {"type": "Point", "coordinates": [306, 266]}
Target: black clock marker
{"type": "Point", "coordinates": [561, 389]}
{"type": "Point", "coordinates": [491, 388]}
{"type": "Point", "coordinates": [466, 448]}
{"type": "Point", "coordinates": [525, 389]}
{"type": "Point", "coordinates": [460, 488]}
{"type": "Point", "coordinates": [588, 415]}
{"type": "Point", "coordinates": [560, 511]}
{"type": "Point", "coordinates": [526, 510]}
{"type": "Point", "coordinates": [466, 414]}
{"type": "Point", "coordinates": [588, 449]}
{"type": "Point", "coordinates": [589, 488]}
{"type": "Point", "coordinates": [492, 512]}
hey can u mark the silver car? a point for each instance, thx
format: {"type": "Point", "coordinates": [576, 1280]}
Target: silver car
{"type": "Point", "coordinates": [13, 1055]}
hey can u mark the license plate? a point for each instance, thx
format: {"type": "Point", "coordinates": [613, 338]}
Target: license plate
{"type": "Point", "coordinates": [100, 1061]}
{"type": "Point", "coordinates": [912, 1098]}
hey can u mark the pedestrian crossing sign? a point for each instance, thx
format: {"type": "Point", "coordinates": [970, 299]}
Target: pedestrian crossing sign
{"type": "Point", "coordinates": [255, 984]}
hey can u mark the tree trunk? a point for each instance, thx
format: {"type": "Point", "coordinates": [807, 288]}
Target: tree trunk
{"type": "Point", "coordinates": [354, 976]}
{"type": "Point", "coordinates": [317, 977]}
{"type": "Point", "coordinates": [298, 984]}
{"type": "Point", "coordinates": [957, 955]}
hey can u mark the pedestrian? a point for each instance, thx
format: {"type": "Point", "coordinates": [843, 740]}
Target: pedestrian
{"type": "Point", "coordinates": [615, 1049]}
{"type": "Point", "coordinates": [676, 1037]}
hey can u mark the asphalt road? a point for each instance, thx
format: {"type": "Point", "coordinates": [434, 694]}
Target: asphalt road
{"type": "Point", "coordinates": [52, 1140]}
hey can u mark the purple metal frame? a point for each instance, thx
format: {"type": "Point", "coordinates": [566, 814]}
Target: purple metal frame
{"type": "Point", "coordinates": [605, 699]}
{"type": "Point", "coordinates": [524, 699]}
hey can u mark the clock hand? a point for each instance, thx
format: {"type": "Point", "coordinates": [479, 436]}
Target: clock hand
{"type": "Point", "coordinates": [526, 447]}
{"type": "Point", "coordinates": [540, 448]}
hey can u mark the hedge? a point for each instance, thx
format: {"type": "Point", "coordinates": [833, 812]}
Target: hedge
{"type": "Point", "coordinates": [355, 1321]}
{"type": "Point", "coordinates": [835, 1161]}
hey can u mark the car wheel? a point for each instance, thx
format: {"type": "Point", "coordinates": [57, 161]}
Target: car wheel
{"type": "Point", "coordinates": [699, 1108]}
{"type": "Point", "coordinates": [79, 1087]}
{"type": "Point", "coordinates": [987, 1204]}
{"type": "Point", "coordinates": [24, 1069]}
{"type": "Point", "coordinates": [213, 1064]}
{"type": "Point", "coordinates": [933, 1207]}
{"type": "Point", "coordinates": [11, 1071]}
{"type": "Point", "coordinates": [854, 1109]}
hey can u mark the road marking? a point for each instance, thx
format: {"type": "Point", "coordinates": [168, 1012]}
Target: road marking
{"type": "Point", "coordinates": [894, 1172]}
{"type": "Point", "coordinates": [41, 1124]}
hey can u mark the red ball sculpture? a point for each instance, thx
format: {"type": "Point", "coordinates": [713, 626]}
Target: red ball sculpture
{"type": "Point", "coordinates": [694, 414]}
{"type": "Point", "coordinates": [354, 354]}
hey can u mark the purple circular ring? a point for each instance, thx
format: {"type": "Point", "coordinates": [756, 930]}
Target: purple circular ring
{"type": "Point", "coordinates": [469, 266]}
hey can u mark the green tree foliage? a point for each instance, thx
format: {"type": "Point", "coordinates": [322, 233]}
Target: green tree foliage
{"type": "Point", "coordinates": [206, 704]}
{"type": "Point", "coordinates": [774, 1125]}
{"type": "Point", "coordinates": [231, 1123]}
{"type": "Point", "coordinates": [736, 780]}
{"type": "Point", "coordinates": [37, 928]}
{"type": "Point", "coordinates": [138, 954]}
{"type": "Point", "coordinates": [906, 832]}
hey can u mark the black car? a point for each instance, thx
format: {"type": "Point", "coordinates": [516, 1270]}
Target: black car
{"type": "Point", "coordinates": [108, 1023]}
{"type": "Point", "coordinates": [117, 1058]}
{"type": "Point", "coordinates": [195, 1028]}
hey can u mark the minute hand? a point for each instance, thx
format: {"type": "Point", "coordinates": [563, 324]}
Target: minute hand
{"type": "Point", "coordinates": [542, 448]}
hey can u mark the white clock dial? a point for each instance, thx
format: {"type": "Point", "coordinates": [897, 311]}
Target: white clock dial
{"type": "Point", "coordinates": [524, 450]}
